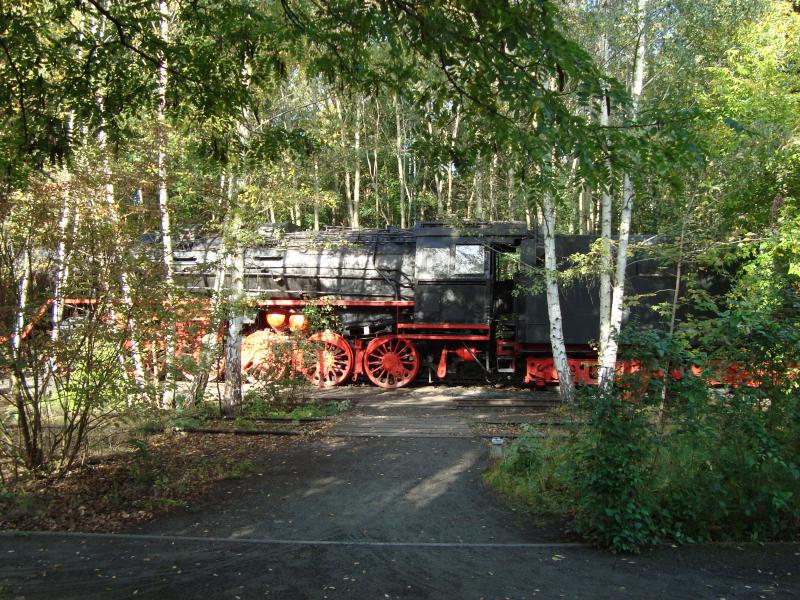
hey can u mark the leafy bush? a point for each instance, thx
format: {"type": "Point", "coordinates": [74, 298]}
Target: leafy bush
{"type": "Point", "coordinates": [687, 458]}
{"type": "Point", "coordinates": [612, 458]}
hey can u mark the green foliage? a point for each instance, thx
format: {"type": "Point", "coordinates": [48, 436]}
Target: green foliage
{"type": "Point", "coordinates": [189, 423]}
{"type": "Point", "coordinates": [321, 316]}
{"type": "Point", "coordinates": [258, 404]}
{"type": "Point", "coordinates": [681, 457]}
{"type": "Point", "coordinates": [612, 456]}
{"type": "Point", "coordinates": [534, 472]}
{"type": "Point", "coordinates": [243, 468]}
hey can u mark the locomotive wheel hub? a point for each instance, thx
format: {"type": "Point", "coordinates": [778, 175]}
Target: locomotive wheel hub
{"type": "Point", "coordinates": [326, 361]}
{"type": "Point", "coordinates": [392, 363]}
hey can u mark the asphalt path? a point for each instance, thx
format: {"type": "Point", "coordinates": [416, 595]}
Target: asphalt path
{"type": "Point", "coordinates": [373, 517]}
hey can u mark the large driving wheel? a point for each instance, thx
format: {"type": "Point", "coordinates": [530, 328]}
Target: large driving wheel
{"type": "Point", "coordinates": [331, 359]}
{"type": "Point", "coordinates": [391, 361]}
{"type": "Point", "coordinates": [264, 356]}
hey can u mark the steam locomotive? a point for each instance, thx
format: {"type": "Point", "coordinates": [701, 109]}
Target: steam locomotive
{"type": "Point", "coordinates": [432, 302]}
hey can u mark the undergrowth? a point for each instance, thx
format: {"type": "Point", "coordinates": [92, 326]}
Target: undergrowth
{"type": "Point", "coordinates": [676, 454]}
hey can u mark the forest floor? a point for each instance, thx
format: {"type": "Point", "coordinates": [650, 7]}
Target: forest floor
{"type": "Point", "coordinates": [396, 511]}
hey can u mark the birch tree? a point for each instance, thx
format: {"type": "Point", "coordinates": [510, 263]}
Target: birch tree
{"type": "Point", "coordinates": [113, 216]}
{"type": "Point", "coordinates": [163, 196]}
{"type": "Point", "coordinates": [354, 222]}
{"type": "Point", "coordinates": [401, 170]}
{"type": "Point", "coordinates": [609, 342]}
{"type": "Point", "coordinates": [232, 393]}
{"type": "Point", "coordinates": [557, 344]}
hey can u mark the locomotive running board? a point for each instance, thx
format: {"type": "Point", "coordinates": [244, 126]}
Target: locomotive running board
{"type": "Point", "coordinates": [467, 333]}
{"type": "Point", "coordinates": [296, 303]}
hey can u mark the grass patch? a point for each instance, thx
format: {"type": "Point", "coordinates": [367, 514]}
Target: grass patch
{"type": "Point", "coordinates": [243, 468]}
{"type": "Point", "coordinates": [258, 404]}
{"type": "Point", "coordinates": [534, 473]}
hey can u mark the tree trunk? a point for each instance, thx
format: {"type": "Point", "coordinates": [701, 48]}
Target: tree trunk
{"type": "Point", "coordinates": [585, 204]}
{"type": "Point", "coordinates": [565, 384]}
{"type": "Point", "coordinates": [232, 393]}
{"type": "Point", "coordinates": [60, 276]}
{"type": "Point", "coordinates": [492, 191]}
{"type": "Point", "coordinates": [372, 163]}
{"type": "Point", "coordinates": [574, 221]}
{"type": "Point", "coordinates": [163, 202]}
{"type": "Point", "coordinates": [411, 167]}
{"type": "Point", "coordinates": [451, 165]}
{"type": "Point", "coordinates": [316, 194]}
{"type": "Point", "coordinates": [605, 222]}
{"type": "Point", "coordinates": [27, 404]}
{"type": "Point", "coordinates": [478, 195]}
{"type": "Point", "coordinates": [471, 198]}
{"type": "Point", "coordinates": [676, 293]}
{"type": "Point", "coordinates": [315, 98]}
{"type": "Point", "coordinates": [401, 172]}
{"type": "Point", "coordinates": [608, 357]}
{"type": "Point", "coordinates": [348, 194]}
{"type": "Point", "coordinates": [22, 302]}
{"type": "Point", "coordinates": [357, 176]}
{"type": "Point", "coordinates": [511, 190]}
{"type": "Point", "coordinates": [209, 343]}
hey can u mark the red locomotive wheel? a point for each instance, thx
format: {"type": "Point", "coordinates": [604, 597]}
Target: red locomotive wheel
{"type": "Point", "coordinates": [391, 361]}
{"type": "Point", "coordinates": [263, 356]}
{"type": "Point", "coordinates": [332, 359]}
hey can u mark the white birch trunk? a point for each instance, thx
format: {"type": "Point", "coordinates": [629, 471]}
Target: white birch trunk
{"type": "Point", "coordinates": [62, 268]}
{"type": "Point", "coordinates": [605, 219]}
{"type": "Point", "coordinates": [401, 172]}
{"type": "Point", "coordinates": [357, 171]}
{"type": "Point", "coordinates": [60, 275]}
{"type": "Point", "coordinates": [375, 149]}
{"type": "Point", "coordinates": [22, 302]}
{"type": "Point", "coordinates": [566, 387]}
{"type": "Point", "coordinates": [478, 183]}
{"type": "Point", "coordinates": [585, 208]}
{"type": "Point", "coordinates": [232, 392]}
{"type": "Point", "coordinates": [511, 190]}
{"type": "Point", "coordinates": [163, 198]}
{"type": "Point", "coordinates": [315, 99]}
{"type": "Point", "coordinates": [608, 355]}
{"type": "Point", "coordinates": [209, 344]}
{"type": "Point", "coordinates": [450, 165]}
{"type": "Point", "coordinates": [316, 194]}
{"type": "Point", "coordinates": [437, 180]}
{"type": "Point", "coordinates": [492, 191]}
{"type": "Point", "coordinates": [348, 194]}
{"type": "Point", "coordinates": [471, 198]}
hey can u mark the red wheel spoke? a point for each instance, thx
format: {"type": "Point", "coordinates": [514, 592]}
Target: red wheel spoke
{"type": "Point", "coordinates": [332, 360]}
{"type": "Point", "coordinates": [391, 361]}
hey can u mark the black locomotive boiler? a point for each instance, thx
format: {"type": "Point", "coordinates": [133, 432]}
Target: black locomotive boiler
{"type": "Point", "coordinates": [428, 302]}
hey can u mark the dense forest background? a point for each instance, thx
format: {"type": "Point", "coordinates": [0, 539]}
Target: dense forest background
{"type": "Point", "coordinates": [144, 120]}
{"type": "Point", "coordinates": [318, 116]}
